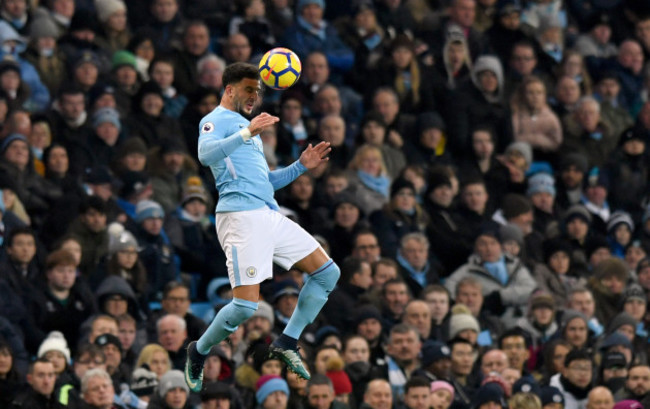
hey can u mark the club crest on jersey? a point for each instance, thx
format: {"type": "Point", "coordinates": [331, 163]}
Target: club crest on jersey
{"type": "Point", "coordinates": [207, 127]}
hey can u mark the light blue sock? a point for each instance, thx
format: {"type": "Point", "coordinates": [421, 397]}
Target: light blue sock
{"type": "Point", "coordinates": [312, 298]}
{"type": "Point", "coordinates": [225, 323]}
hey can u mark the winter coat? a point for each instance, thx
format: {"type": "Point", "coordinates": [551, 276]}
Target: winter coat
{"type": "Point", "coordinates": [94, 246]}
{"type": "Point", "coordinates": [368, 199]}
{"type": "Point", "coordinates": [30, 399]}
{"type": "Point", "coordinates": [541, 130]}
{"type": "Point", "coordinates": [340, 303]}
{"type": "Point", "coordinates": [514, 294]}
{"type": "Point", "coordinates": [391, 224]}
{"type": "Point", "coordinates": [158, 257]}
{"type": "Point", "coordinates": [554, 284]}
{"type": "Point", "coordinates": [570, 401]}
{"type": "Point", "coordinates": [449, 239]}
{"type": "Point", "coordinates": [167, 187]}
{"type": "Point", "coordinates": [629, 182]}
{"type": "Point", "coordinates": [51, 314]}
{"type": "Point", "coordinates": [153, 130]}
{"type": "Point", "coordinates": [608, 305]}
{"type": "Point", "coordinates": [597, 148]}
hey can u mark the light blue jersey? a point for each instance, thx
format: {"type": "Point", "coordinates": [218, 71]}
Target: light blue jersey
{"type": "Point", "coordinates": [242, 175]}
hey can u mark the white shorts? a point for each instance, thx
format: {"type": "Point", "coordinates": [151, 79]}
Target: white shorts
{"type": "Point", "coordinates": [253, 240]}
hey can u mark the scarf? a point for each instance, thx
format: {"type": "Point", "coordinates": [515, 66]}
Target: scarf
{"type": "Point", "coordinates": [379, 184]}
{"type": "Point", "coordinates": [419, 276]}
{"type": "Point", "coordinates": [498, 270]}
{"type": "Point", "coordinates": [413, 81]}
{"type": "Point", "coordinates": [578, 392]}
{"type": "Point", "coordinates": [396, 377]}
{"type": "Point", "coordinates": [317, 31]}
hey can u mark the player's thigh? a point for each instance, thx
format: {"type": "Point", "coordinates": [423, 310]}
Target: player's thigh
{"type": "Point", "coordinates": [292, 242]}
{"type": "Point", "coordinates": [249, 252]}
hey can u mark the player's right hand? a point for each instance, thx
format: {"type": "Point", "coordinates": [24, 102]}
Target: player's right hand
{"type": "Point", "coordinates": [260, 122]}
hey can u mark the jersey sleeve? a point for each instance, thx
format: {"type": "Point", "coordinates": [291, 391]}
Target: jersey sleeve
{"type": "Point", "coordinates": [281, 177]}
{"type": "Point", "coordinates": [217, 141]}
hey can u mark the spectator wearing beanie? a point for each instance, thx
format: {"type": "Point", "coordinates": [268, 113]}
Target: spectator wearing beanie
{"type": "Point", "coordinates": [556, 275]}
{"type": "Point", "coordinates": [173, 392]}
{"type": "Point", "coordinates": [339, 378]}
{"type": "Point", "coordinates": [45, 56]}
{"type": "Point", "coordinates": [115, 35]}
{"type": "Point", "coordinates": [607, 284]}
{"type": "Point", "coordinates": [518, 157]}
{"type": "Point", "coordinates": [635, 304]}
{"type": "Point", "coordinates": [55, 349]}
{"type": "Point", "coordinates": [572, 170]}
{"type": "Point", "coordinates": [272, 387]}
{"type": "Point", "coordinates": [620, 228]}
{"type": "Point", "coordinates": [446, 232]}
{"type": "Point", "coordinates": [125, 77]}
{"type": "Point", "coordinates": [442, 394]}
{"type": "Point", "coordinates": [435, 361]}
{"type": "Point", "coordinates": [540, 323]}
{"type": "Point", "coordinates": [143, 386]}
{"type": "Point", "coordinates": [517, 209]}
{"type": "Point", "coordinates": [628, 167]}
{"type": "Point", "coordinates": [463, 324]}
{"type": "Point", "coordinates": [627, 325]}
{"type": "Point", "coordinates": [595, 198]}
{"type": "Point", "coordinates": [506, 283]}
{"type": "Point", "coordinates": [576, 226]}
{"type": "Point", "coordinates": [400, 216]}
{"type": "Point", "coordinates": [157, 253]}
{"type": "Point", "coordinates": [429, 149]}
{"type": "Point", "coordinates": [596, 250]}
{"type": "Point", "coordinates": [541, 192]}
{"type": "Point", "coordinates": [105, 139]}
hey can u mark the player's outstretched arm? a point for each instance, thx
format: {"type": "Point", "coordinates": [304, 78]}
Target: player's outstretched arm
{"type": "Point", "coordinates": [310, 158]}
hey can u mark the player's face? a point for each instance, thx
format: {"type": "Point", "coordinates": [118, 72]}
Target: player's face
{"type": "Point", "coordinates": [246, 94]}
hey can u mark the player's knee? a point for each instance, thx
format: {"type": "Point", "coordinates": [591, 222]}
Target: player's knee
{"type": "Point", "coordinates": [244, 309]}
{"type": "Point", "coordinates": [329, 276]}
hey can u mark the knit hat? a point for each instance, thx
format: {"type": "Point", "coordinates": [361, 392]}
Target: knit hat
{"type": "Point", "coordinates": [11, 139]}
{"type": "Point", "coordinates": [628, 404]}
{"type": "Point", "coordinates": [99, 175]}
{"type": "Point", "coordinates": [148, 209]}
{"type": "Point", "coordinates": [399, 184]}
{"type": "Point", "coordinates": [579, 211]}
{"type": "Point", "coordinates": [490, 392]}
{"type": "Point", "coordinates": [570, 315]}
{"type": "Point", "coordinates": [430, 120]}
{"type": "Point", "coordinates": [438, 385]}
{"type": "Point", "coordinates": [614, 360]}
{"type": "Point", "coordinates": [435, 180]}
{"type": "Point", "coordinates": [83, 20]}
{"type": "Point", "coordinates": [514, 205]}
{"type": "Point", "coordinates": [632, 134]}
{"type": "Point", "coordinates": [542, 299]}
{"type": "Point", "coordinates": [615, 339]}
{"type": "Point", "coordinates": [194, 189]}
{"type": "Point", "coordinates": [55, 341]}
{"type": "Point", "coordinates": [106, 8]}
{"type": "Point", "coordinates": [83, 57]}
{"type": "Point", "coordinates": [267, 384]}
{"type": "Point", "coordinates": [303, 3]}
{"type": "Point", "coordinates": [215, 390]}
{"type": "Point", "coordinates": [541, 183]}
{"type": "Point", "coordinates": [43, 26]}
{"type": "Point", "coordinates": [594, 243]}
{"type": "Point", "coordinates": [340, 379]}
{"type": "Point", "coordinates": [133, 184]}
{"type": "Point", "coordinates": [526, 384]}
{"type": "Point", "coordinates": [265, 310]}
{"type": "Point", "coordinates": [97, 91]}
{"type": "Point", "coordinates": [259, 351]}
{"type": "Point", "coordinates": [461, 320]}
{"type": "Point", "coordinates": [556, 245]}
{"type": "Point", "coordinates": [596, 177]}
{"type": "Point", "coordinates": [505, 7]}
{"type": "Point", "coordinates": [366, 312]}
{"type": "Point", "coordinates": [511, 232]}
{"type": "Point", "coordinates": [433, 351]}
{"type": "Point", "coordinates": [107, 115]}
{"type": "Point", "coordinates": [171, 380]}
{"type": "Point", "coordinates": [612, 267]}
{"type": "Point", "coordinates": [106, 339]}
{"type": "Point", "coordinates": [143, 382]}
{"type": "Point", "coordinates": [325, 331]}
{"type": "Point", "coordinates": [523, 148]}
{"type": "Point", "coordinates": [285, 287]}
{"type": "Point", "coordinates": [120, 239]}
{"type": "Point", "coordinates": [551, 394]}
{"type": "Point", "coordinates": [574, 159]}
{"type": "Point", "coordinates": [490, 228]}
{"type": "Point", "coordinates": [122, 58]}
{"type": "Point", "coordinates": [133, 145]}
{"type": "Point", "coordinates": [617, 218]}
{"type": "Point", "coordinates": [9, 63]}
{"type": "Point", "coordinates": [634, 292]}
{"type": "Point", "coordinates": [622, 318]}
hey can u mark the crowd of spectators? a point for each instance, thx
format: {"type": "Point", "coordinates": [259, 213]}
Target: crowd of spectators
{"type": "Point", "coordinates": [487, 198]}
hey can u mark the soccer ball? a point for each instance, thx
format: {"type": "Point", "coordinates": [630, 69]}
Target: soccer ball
{"type": "Point", "coordinates": [280, 68]}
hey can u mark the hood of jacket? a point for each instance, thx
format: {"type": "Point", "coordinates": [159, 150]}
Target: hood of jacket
{"type": "Point", "coordinates": [488, 63]}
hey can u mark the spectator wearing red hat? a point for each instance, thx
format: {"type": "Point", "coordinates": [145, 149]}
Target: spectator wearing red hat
{"type": "Point", "coordinates": [339, 378]}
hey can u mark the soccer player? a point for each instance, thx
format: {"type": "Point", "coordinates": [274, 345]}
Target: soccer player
{"type": "Point", "coordinates": [251, 231]}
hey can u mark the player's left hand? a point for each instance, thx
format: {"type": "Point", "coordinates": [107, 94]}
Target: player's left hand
{"type": "Point", "coordinates": [315, 155]}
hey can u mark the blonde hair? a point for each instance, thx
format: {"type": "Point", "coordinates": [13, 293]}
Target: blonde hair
{"type": "Point", "coordinates": [362, 152]}
{"type": "Point", "coordinates": [146, 355]}
{"type": "Point", "coordinates": [525, 401]}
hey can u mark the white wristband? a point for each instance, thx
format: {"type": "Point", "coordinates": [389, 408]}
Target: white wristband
{"type": "Point", "coordinates": [245, 134]}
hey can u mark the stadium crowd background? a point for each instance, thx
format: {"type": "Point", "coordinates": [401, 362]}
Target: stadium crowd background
{"type": "Point", "coordinates": [486, 198]}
